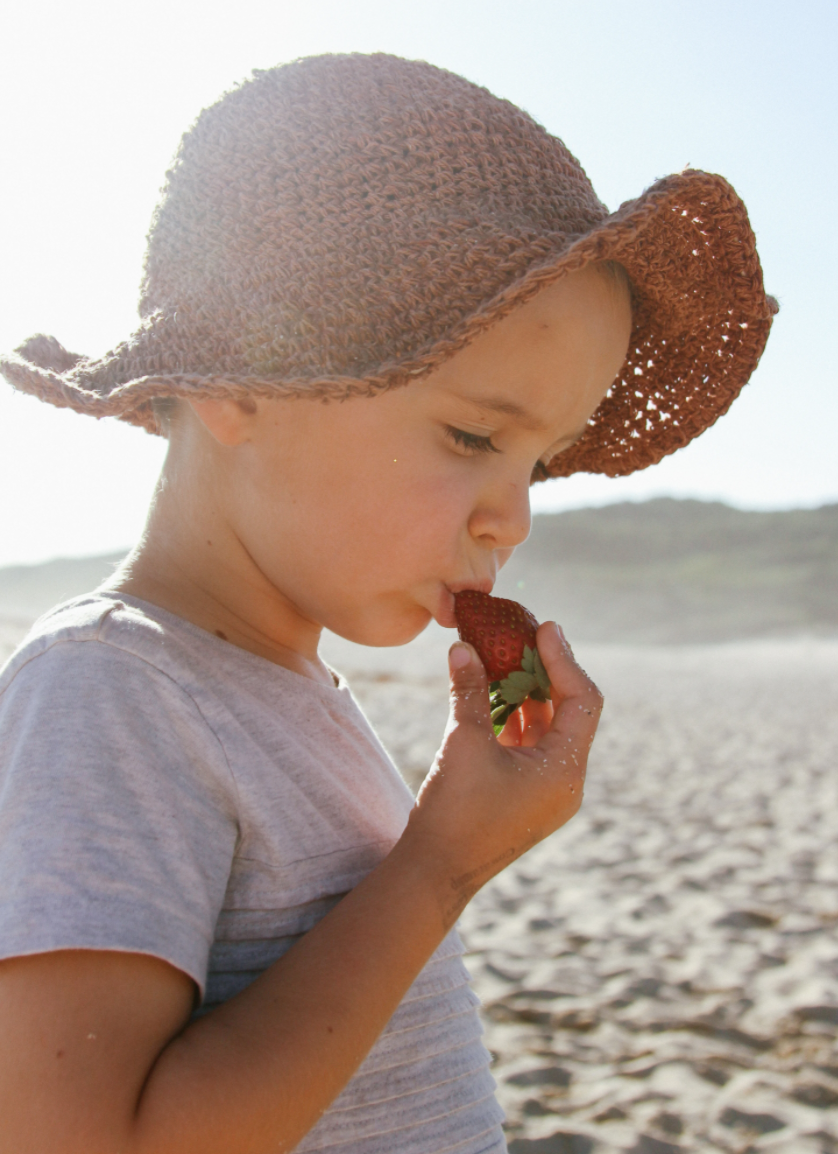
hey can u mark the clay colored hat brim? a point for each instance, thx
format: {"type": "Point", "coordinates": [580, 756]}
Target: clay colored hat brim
{"type": "Point", "coordinates": [465, 225]}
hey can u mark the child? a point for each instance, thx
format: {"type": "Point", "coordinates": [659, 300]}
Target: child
{"type": "Point", "coordinates": [377, 303]}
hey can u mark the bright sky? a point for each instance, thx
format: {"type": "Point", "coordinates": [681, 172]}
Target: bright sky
{"type": "Point", "coordinates": [95, 96]}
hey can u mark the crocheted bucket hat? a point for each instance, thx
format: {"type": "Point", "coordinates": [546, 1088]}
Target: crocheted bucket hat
{"type": "Point", "coordinates": [344, 224]}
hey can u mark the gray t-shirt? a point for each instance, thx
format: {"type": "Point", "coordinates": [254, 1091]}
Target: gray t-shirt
{"type": "Point", "coordinates": [164, 792]}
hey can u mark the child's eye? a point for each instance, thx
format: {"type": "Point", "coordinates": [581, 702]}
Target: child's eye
{"type": "Point", "coordinates": [471, 441]}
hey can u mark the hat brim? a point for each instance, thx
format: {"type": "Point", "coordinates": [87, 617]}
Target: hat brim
{"type": "Point", "coordinates": [701, 321]}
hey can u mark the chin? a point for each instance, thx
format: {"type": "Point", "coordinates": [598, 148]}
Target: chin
{"type": "Point", "coordinates": [387, 630]}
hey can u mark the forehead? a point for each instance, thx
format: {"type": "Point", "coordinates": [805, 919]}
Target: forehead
{"type": "Point", "coordinates": [560, 349]}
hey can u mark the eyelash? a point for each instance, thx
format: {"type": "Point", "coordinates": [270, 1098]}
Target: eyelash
{"type": "Point", "coordinates": [471, 441]}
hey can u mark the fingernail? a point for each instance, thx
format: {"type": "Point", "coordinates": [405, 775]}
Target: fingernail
{"type": "Point", "coordinates": [560, 637]}
{"type": "Point", "coordinates": [459, 656]}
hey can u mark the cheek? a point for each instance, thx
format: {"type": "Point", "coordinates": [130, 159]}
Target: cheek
{"type": "Point", "coordinates": [403, 526]}
{"type": "Point", "coordinates": [402, 513]}
{"type": "Point", "coordinates": [376, 499]}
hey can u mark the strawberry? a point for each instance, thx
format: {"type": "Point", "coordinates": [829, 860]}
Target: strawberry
{"type": "Point", "coordinates": [503, 633]}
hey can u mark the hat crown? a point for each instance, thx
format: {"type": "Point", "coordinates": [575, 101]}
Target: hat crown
{"type": "Point", "coordinates": [339, 213]}
{"type": "Point", "coordinates": [345, 224]}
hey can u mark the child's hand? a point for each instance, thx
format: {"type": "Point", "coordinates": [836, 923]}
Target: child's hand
{"type": "Point", "coordinates": [528, 723]}
{"type": "Point", "coordinates": [487, 801]}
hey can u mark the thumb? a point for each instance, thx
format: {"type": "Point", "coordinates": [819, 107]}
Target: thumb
{"type": "Point", "coordinates": [469, 687]}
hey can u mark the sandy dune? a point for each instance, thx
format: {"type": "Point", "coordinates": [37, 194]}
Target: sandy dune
{"type": "Point", "coordinates": [662, 974]}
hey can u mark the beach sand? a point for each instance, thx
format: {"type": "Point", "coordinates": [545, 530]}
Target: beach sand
{"type": "Point", "coordinates": [662, 974]}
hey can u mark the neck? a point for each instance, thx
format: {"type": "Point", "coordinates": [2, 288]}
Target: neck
{"type": "Point", "coordinates": [191, 563]}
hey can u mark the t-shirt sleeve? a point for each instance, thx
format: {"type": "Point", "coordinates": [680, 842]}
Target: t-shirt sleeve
{"type": "Point", "coordinates": [117, 810]}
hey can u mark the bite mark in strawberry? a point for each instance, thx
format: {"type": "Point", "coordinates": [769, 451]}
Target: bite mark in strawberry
{"type": "Point", "coordinates": [503, 633]}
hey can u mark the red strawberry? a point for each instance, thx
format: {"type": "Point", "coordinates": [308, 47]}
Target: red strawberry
{"type": "Point", "coordinates": [503, 633]}
{"type": "Point", "coordinates": [498, 629]}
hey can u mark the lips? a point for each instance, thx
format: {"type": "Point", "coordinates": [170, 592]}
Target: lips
{"type": "Point", "coordinates": [444, 614]}
{"type": "Point", "coordinates": [484, 586]}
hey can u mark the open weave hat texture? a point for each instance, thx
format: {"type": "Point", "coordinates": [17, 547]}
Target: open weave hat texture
{"type": "Point", "coordinates": [344, 224]}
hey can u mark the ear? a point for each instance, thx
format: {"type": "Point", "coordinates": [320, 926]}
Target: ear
{"type": "Point", "coordinates": [228, 421]}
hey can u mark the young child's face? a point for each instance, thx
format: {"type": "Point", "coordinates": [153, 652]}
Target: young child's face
{"type": "Point", "coordinates": [368, 515]}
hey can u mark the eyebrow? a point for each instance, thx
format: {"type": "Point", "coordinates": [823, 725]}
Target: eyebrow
{"type": "Point", "coordinates": [524, 417]}
{"type": "Point", "coordinates": [509, 409]}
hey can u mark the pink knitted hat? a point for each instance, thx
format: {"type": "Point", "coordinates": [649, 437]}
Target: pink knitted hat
{"type": "Point", "coordinates": [344, 224]}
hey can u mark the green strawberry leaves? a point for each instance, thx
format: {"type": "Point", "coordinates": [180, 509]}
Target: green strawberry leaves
{"type": "Point", "coordinates": [541, 675]}
{"type": "Point", "coordinates": [518, 686]}
{"type": "Point", "coordinates": [530, 680]}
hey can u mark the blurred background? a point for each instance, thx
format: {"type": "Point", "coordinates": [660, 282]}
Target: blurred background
{"type": "Point", "coordinates": [662, 975]}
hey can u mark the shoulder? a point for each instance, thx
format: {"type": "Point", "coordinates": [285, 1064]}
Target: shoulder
{"type": "Point", "coordinates": [95, 703]}
{"type": "Point", "coordinates": [83, 619]}
{"type": "Point", "coordinates": [119, 812]}
{"type": "Point", "coordinates": [94, 617]}
{"type": "Point", "coordinates": [102, 675]}
{"type": "Point", "coordinates": [101, 636]}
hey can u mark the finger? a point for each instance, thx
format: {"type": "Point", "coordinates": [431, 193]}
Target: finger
{"type": "Point", "coordinates": [469, 688]}
{"type": "Point", "coordinates": [577, 702]}
{"type": "Point", "coordinates": [536, 717]}
{"type": "Point", "coordinates": [510, 735]}
{"type": "Point", "coordinates": [528, 724]}
{"type": "Point", "coordinates": [566, 676]}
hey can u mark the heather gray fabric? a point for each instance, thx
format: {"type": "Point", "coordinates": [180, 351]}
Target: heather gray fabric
{"type": "Point", "coordinates": [165, 792]}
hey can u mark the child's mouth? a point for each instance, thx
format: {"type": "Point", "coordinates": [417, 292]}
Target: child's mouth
{"type": "Point", "coordinates": [444, 614]}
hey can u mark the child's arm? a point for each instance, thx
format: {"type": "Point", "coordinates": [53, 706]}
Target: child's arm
{"type": "Point", "coordinates": [94, 1054]}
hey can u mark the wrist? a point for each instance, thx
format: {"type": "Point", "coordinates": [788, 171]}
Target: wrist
{"type": "Point", "coordinates": [447, 875]}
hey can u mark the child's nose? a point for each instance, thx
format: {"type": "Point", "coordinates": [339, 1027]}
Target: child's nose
{"type": "Point", "coordinates": [502, 520]}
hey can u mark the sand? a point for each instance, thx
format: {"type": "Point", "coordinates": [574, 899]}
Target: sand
{"type": "Point", "coordinates": [662, 974]}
